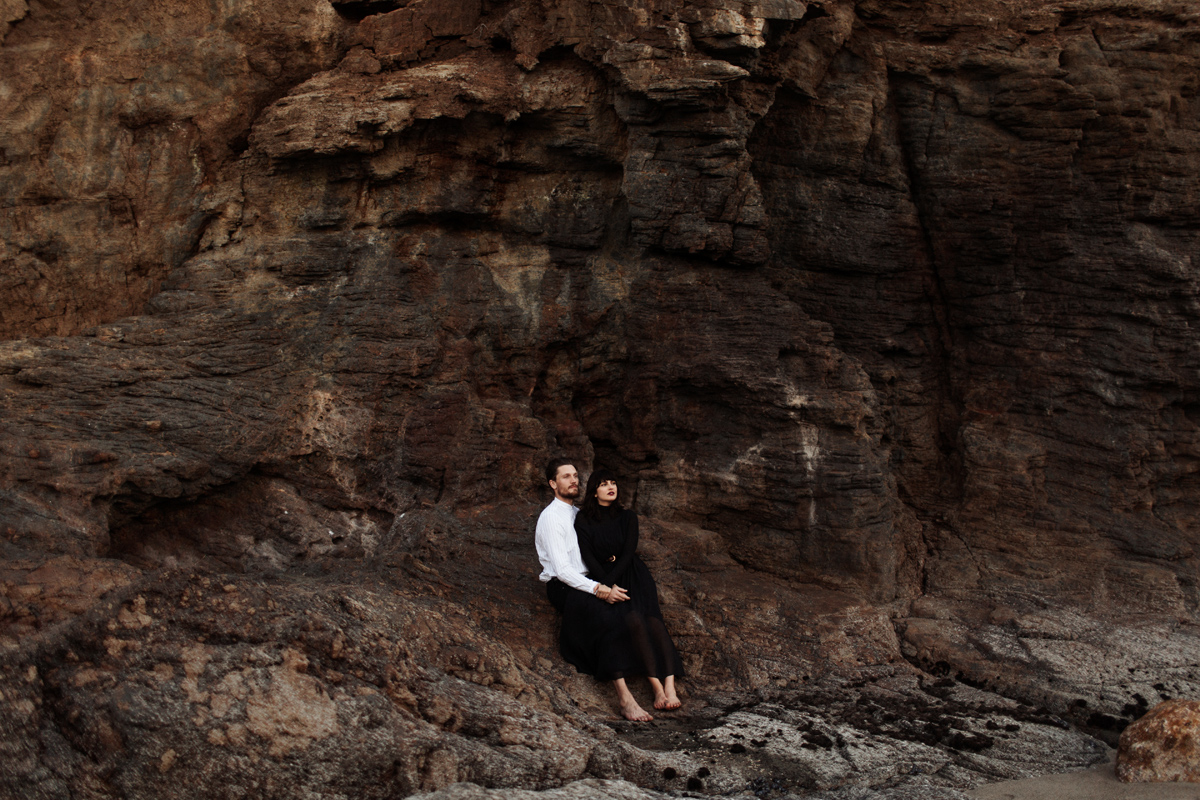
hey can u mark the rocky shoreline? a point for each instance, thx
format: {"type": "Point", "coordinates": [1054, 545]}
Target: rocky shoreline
{"type": "Point", "coordinates": [385, 682]}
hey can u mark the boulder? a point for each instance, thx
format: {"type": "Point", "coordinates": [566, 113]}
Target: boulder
{"type": "Point", "coordinates": [1163, 746]}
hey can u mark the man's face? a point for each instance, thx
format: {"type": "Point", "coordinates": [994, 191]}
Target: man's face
{"type": "Point", "coordinates": [566, 483]}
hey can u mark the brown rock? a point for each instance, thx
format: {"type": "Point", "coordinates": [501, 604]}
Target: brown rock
{"type": "Point", "coordinates": [39, 593]}
{"type": "Point", "coordinates": [1163, 746]}
{"type": "Point", "coordinates": [886, 312]}
{"type": "Point", "coordinates": [418, 29]}
{"type": "Point", "coordinates": [115, 122]}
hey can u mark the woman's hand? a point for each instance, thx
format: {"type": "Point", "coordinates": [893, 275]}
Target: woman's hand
{"type": "Point", "coordinates": [611, 594]}
{"type": "Point", "coordinates": [615, 595]}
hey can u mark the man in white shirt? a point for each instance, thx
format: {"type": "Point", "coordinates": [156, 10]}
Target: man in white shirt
{"type": "Point", "coordinates": [557, 545]}
{"type": "Point", "coordinates": [563, 570]}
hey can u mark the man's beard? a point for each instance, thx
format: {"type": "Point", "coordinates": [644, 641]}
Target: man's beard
{"type": "Point", "coordinates": [571, 493]}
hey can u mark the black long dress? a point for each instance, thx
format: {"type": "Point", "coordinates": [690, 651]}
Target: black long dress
{"type": "Point", "coordinates": [594, 637]}
{"type": "Point", "coordinates": [641, 646]}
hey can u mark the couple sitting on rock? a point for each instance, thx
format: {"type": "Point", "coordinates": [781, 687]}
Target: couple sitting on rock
{"type": "Point", "coordinates": [612, 627]}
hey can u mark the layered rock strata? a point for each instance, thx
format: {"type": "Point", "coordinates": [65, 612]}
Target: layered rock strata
{"type": "Point", "coordinates": [885, 311]}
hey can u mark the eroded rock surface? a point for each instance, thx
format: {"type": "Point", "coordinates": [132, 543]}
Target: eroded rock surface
{"type": "Point", "coordinates": [886, 311]}
{"type": "Point", "coordinates": [113, 123]}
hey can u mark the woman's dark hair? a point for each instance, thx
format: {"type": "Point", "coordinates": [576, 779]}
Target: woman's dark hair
{"type": "Point", "coordinates": [591, 508]}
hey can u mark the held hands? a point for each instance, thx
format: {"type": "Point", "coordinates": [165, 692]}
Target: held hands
{"type": "Point", "coordinates": [613, 594]}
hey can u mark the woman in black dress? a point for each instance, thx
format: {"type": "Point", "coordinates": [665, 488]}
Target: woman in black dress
{"type": "Point", "coordinates": [608, 540]}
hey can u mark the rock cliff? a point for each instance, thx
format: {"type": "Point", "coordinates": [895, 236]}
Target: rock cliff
{"type": "Point", "coordinates": [886, 311]}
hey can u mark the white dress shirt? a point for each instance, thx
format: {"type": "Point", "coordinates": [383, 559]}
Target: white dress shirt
{"type": "Point", "coordinates": [558, 548]}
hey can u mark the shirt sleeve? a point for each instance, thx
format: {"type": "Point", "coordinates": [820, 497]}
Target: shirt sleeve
{"type": "Point", "coordinates": [554, 539]}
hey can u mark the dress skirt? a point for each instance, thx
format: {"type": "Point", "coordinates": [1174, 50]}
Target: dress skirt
{"type": "Point", "coordinates": [595, 637]}
{"type": "Point", "coordinates": [617, 640]}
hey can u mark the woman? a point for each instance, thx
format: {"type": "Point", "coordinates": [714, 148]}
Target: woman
{"type": "Point", "coordinates": [608, 540]}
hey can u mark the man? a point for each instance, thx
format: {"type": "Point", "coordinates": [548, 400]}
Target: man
{"type": "Point", "coordinates": [563, 570]}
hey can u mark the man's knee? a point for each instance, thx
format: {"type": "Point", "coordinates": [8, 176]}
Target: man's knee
{"type": "Point", "coordinates": [556, 591]}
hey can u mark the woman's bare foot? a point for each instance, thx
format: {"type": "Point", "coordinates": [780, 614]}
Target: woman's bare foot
{"type": "Point", "coordinates": [629, 707]}
{"type": "Point", "coordinates": [665, 698]}
{"type": "Point", "coordinates": [635, 713]}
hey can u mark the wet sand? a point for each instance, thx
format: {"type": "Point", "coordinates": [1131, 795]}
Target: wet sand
{"type": "Point", "coordinates": [1098, 783]}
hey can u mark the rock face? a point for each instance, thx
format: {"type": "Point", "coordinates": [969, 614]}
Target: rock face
{"type": "Point", "coordinates": [885, 311]}
{"type": "Point", "coordinates": [1163, 746]}
{"type": "Point", "coordinates": [114, 125]}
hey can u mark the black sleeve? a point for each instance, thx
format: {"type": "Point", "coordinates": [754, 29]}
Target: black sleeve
{"type": "Point", "coordinates": [596, 571]}
{"type": "Point", "coordinates": [629, 544]}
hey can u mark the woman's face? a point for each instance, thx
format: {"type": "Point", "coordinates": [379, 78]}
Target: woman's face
{"type": "Point", "coordinates": [606, 492]}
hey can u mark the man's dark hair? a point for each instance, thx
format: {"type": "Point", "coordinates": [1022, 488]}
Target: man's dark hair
{"type": "Point", "coordinates": [555, 463]}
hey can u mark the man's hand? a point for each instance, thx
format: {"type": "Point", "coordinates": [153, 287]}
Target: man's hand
{"type": "Point", "coordinates": [616, 595]}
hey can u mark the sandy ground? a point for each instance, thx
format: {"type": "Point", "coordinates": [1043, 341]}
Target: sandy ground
{"type": "Point", "coordinates": [1098, 783]}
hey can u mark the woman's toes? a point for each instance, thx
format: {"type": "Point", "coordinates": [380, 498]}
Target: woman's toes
{"type": "Point", "coordinates": [635, 713]}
